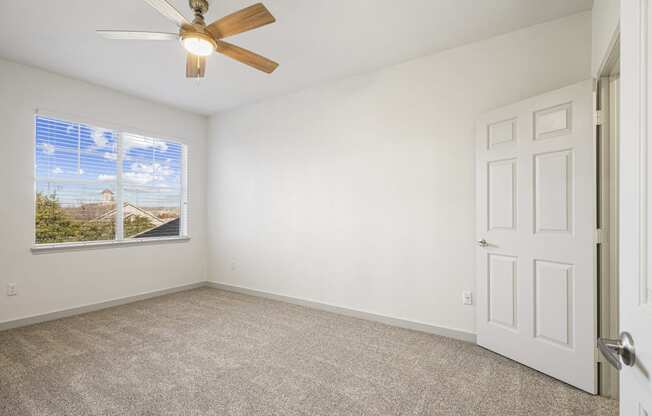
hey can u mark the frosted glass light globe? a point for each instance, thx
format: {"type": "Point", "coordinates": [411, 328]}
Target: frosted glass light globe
{"type": "Point", "coordinates": [197, 46]}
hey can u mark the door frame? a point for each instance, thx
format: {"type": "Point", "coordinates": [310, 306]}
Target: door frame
{"type": "Point", "coordinates": [607, 141]}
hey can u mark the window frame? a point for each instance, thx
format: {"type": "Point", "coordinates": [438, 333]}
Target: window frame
{"type": "Point", "coordinates": [184, 208]}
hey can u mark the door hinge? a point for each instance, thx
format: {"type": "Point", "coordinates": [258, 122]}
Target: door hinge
{"type": "Point", "coordinates": [598, 236]}
{"type": "Point", "coordinates": [598, 117]}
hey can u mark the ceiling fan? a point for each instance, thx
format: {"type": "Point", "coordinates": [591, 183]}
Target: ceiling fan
{"type": "Point", "coordinates": [201, 40]}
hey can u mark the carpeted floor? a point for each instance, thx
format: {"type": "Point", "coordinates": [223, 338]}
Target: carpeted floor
{"type": "Point", "coordinates": [210, 352]}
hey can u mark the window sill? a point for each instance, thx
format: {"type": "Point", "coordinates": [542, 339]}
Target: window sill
{"type": "Point", "coordinates": [45, 248]}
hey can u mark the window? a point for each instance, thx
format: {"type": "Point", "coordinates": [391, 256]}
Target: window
{"type": "Point", "coordinates": [95, 184]}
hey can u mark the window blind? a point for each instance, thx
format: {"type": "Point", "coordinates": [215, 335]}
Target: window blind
{"type": "Point", "coordinates": [96, 184]}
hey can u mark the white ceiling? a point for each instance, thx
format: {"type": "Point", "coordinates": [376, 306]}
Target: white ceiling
{"type": "Point", "coordinates": [313, 40]}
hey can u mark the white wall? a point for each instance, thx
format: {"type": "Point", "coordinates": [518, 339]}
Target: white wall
{"type": "Point", "coordinates": [62, 280]}
{"type": "Point", "coordinates": [606, 20]}
{"type": "Point", "coordinates": [360, 193]}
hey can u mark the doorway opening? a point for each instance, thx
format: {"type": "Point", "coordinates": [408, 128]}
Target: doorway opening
{"type": "Point", "coordinates": [607, 253]}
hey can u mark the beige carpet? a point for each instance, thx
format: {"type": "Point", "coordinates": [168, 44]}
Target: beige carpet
{"type": "Point", "coordinates": [210, 352]}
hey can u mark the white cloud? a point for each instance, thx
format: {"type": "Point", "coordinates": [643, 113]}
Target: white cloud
{"type": "Point", "coordinates": [144, 173]}
{"type": "Point", "coordinates": [48, 148]}
{"type": "Point", "coordinates": [140, 178]}
{"type": "Point", "coordinates": [57, 171]}
{"type": "Point", "coordinates": [131, 141]}
{"type": "Point", "coordinates": [105, 178]}
{"type": "Point", "coordinates": [99, 137]}
{"type": "Point", "coordinates": [158, 189]}
{"type": "Point", "coordinates": [164, 170]}
{"type": "Point", "coordinates": [160, 145]}
{"type": "Point", "coordinates": [110, 156]}
{"type": "Point", "coordinates": [142, 168]}
{"type": "Point", "coordinates": [157, 170]}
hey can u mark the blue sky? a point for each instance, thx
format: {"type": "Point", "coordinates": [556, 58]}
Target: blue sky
{"type": "Point", "coordinates": [69, 151]}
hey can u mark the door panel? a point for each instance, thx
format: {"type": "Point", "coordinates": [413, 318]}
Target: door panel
{"type": "Point", "coordinates": [501, 133]}
{"type": "Point", "coordinates": [502, 194]}
{"type": "Point", "coordinates": [635, 196]}
{"type": "Point", "coordinates": [553, 302]}
{"type": "Point", "coordinates": [553, 192]}
{"type": "Point", "coordinates": [552, 122]}
{"type": "Point", "coordinates": [536, 197]}
{"type": "Point", "coordinates": [502, 290]}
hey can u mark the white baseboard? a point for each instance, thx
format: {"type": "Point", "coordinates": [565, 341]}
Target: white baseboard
{"type": "Point", "coordinates": [31, 320]}
{"type": "Point", "coordinates": [401, 323]}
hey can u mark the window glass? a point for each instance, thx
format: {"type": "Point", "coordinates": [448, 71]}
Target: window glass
{"type": "Point", "coordinates": [81, 192]}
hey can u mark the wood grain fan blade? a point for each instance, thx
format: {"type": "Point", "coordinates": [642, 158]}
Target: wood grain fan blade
{"type": "Point", "coordinates": [248, 18]}
{"type": "Point", "coordinates": [246, 57]}
{"type": "Point", "coordinates": [195, 66]}
{"type": "Point", "coordinates": [136, 35]}
{"type": "Point", "coordinates": [167, 10]}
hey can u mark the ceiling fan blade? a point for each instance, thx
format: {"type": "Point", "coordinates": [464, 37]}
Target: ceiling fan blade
{"type": "Point", "coordinates": [246, 57]}
{"type": "Point", "coordinates": [167, 10]}
{"type": "Point", "coordinates": [195, 66]}
{"type": "Point", "coordinates": [248, 18]}
{"type": "Point", "coordinates": [136, 35]}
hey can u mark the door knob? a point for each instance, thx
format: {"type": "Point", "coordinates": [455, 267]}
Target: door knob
{"type": "Point", "coordinates": [618, 351]}
{"type": "Point", "coordinates": [483, 243]}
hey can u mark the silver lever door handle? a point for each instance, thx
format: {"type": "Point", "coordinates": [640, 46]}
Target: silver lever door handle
{"type": "Point", "coordinates": [483, 243]}
{"type": "Point", "coordinates": [618, 351]}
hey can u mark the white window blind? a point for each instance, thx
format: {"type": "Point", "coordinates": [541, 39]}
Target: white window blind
{"type": "Point", "coordinates": [95, 184]}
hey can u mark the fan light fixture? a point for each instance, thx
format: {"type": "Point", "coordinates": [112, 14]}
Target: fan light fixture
{"type": "Point", "coordinates": [198, 44]}
{"type": "Point", "coordinates": [201, 40]}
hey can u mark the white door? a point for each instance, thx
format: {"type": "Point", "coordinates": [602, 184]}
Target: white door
{"type": "Point", "coordinates": [636, 204]}
{"type": "Point", "coordinates": [536, 194]}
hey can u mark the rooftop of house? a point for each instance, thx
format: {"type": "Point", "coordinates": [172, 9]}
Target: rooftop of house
{"type": "Point", "coordinates": [169, 229]}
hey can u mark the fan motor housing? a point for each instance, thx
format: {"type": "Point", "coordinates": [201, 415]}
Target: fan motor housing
{"type": "Point", "coordinates": [199, 5]}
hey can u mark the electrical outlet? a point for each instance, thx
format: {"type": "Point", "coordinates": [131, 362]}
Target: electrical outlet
{"type": "Point", "coordinates": [11, 289]}
{"type": "Point", "coordinates": [467, 298]}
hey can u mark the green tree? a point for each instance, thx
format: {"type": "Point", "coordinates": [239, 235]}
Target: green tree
{"type": "Point", "coordinates": [96, 230]}
{"type": "Point", "coordinates": [136, 225]}
{"type": "Point", "coordinates": [55, 225]}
